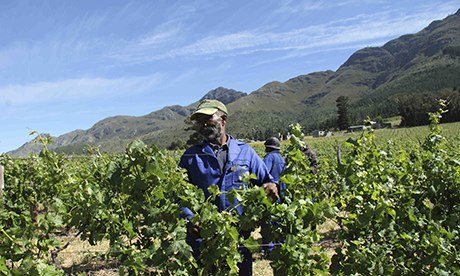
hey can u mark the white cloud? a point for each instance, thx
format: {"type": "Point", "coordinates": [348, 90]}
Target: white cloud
{"type": "Point", "coordinates": [297, 54]}
{"type": "Point", "coordinates": [359, 29]}
{"type": "Point", "coordinates": [157, 38]}
{"type": "Point", "coordinates": [230, 42]}
{"type": "Point", "coordinates": [75, 89]}
{"type": "Point", "coordinates": [291, 6]}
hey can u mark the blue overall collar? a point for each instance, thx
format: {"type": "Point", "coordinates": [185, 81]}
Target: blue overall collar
{"type": "Point", "coordinates": [233, 148]}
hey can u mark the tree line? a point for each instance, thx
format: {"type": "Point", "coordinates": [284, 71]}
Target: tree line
{"type": "Point", "coordinates": [412, 107]}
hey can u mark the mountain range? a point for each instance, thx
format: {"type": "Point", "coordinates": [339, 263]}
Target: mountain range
{"type": "Point", "coordinates": [427, 61]}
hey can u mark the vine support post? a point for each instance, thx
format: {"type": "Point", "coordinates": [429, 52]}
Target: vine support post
{"type": "Point", "coordinates": [2, 181]}
{"type": "Point", "coordinates": [339, 155]}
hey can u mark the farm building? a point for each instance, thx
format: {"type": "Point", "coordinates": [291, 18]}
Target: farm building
{"type": "Point", "coordinates": [387, 125]}
{"type": "Point", "coordinates": [318, 133]}
{"type": "Point", "coordinates": [321, 133]}
{"type": "Point", "coordinates": [357, 128]}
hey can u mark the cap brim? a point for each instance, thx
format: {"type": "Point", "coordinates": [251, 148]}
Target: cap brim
{"type": "Point", "coordinates": [273, 147]}
{"type": "Point", "coordinates": [206, 111]}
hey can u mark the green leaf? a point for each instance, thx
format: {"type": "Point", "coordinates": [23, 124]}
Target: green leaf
{"type": "Point", "coordinates": [232, 264]}
{"type": "Point", "coordinates": [214, 190]}
{"type": "Point", "coordinates": [251, 244]}
{"type": "Point", "coordinates": [392, 212]}
{"type": "Point", "coordinates": [428, 203]}
{"type": "Point", "coordinates": [128, 226]}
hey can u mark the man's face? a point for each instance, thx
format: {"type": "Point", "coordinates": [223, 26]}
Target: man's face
{"type": "Point", "coordinates": [209, 126]}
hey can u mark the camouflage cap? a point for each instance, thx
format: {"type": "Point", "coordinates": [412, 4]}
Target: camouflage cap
{"type": "Point", "coordinates": [209, 107]}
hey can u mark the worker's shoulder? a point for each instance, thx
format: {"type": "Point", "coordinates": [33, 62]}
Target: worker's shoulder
{"type": "Point", "coordinates": [241, 144]}
{"type": "Point", "coordinates": [193, 149]}
{"type": "Point", "coordinates": [275, 155]}
{"type": "Point", "coordinates": [268, 157]}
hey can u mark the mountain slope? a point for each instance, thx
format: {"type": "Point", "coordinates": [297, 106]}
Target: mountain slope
{"type": "Point", "coordinates": [428, 61]}
{"type": "Point", "coordinates": [113, 133]}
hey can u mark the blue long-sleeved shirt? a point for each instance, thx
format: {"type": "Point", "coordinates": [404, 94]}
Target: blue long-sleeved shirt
{"type": "Point", "coordinates": [203, 170]}
{"type": "Point", "coordinates": [275, 164]}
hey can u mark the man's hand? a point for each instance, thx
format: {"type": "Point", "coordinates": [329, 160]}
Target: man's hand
{"type": "Point", "coordinates": [194, 230]}
{"type": "Point", "coordinates": [271, 190]}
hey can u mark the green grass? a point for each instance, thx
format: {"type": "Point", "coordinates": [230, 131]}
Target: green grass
{"type": "Point", "coordinates": [325, 146]}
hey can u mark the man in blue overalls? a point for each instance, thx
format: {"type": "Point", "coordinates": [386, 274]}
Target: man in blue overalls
{"type": "Point", "coordinates": [222, 160]}
{"type": "Point", "coordinates": [273, 160]}
{"type": "Point", "coordinates": [276, 165]}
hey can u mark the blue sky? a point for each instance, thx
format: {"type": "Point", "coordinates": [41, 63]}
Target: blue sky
{"type": "Point", "coordinates": [65, 65]}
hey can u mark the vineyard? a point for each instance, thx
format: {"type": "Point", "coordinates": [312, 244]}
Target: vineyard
{"type": "Point", "coordinates": [393, 200]}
